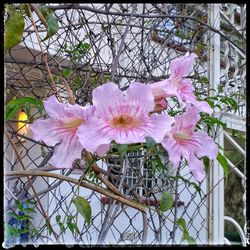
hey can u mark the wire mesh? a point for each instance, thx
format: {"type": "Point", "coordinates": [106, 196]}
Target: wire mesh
{"type": "Point", "coordinates": [95, 44]}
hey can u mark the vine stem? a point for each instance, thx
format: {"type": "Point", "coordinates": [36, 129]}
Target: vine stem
{"type": "Point", "coordinates": [128, 202]}
{"type": "Point", "coordinates": [98, 172]}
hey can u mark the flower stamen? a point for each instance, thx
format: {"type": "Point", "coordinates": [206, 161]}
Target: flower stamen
{"type": "Point", "coordinates": [124, 122]}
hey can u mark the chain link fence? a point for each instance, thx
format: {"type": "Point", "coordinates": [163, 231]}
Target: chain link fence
{"type": "Point", "coordinates": [95, 44]}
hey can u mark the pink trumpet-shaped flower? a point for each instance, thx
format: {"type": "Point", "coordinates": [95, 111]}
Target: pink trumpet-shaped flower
{"type": "Point", "coordinates": [183, 141]}
{"type": "Point", "coordinates": [159, 93]}
{"type": "Point", "coordinates": [122, 117]}
{"type": "Point", "coordinates": [180, 86]}
{"type": "Point", "coordinates": [160, 104]}
{"type": "Point", "coordinates": [61, 127]}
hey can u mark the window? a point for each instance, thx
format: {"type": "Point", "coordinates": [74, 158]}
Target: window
{"type": "Point", "coordinates": [137, 177]}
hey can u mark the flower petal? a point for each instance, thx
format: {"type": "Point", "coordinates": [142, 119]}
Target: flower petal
{"type": "Point", "coordinates": [65, 153]}
{"type": "Point", "coordinates": [107, 99]}
{"type": "Point", "coordinates": [187, 121]}
{"type": "Point", "coordinates": [163, 89]}
{"type": "Point", "coordinates": [140, 95]}
{"type": "Point", "coordinates": [93, 134]}
{"type": "Point", "coordinates": [160, 104]}
{"type": "Point", "coordinates": [173, 149]}
{"type": "Point", "coordinates": [185, 90]}
{"type": "Point", "coordinates": [59, 110]}
{"type": "Point", "coordinates": [196, 168]}
{"type": "Point", "coordinates": [203, 107]}
{"type": "Point", "coordinates": [50, 131]}
{"type": "Point", "coordinates": [207, 146]}
{"type": "Point", "coordinates": [158, 126]}
{"type": "Point", "coordinates": [182, 66]}
{"type": "Point", "coordinates": [102, 149]}
{"type": "Point", "coordinates": [128, 136]}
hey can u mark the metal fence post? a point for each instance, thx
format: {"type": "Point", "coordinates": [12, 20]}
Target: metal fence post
{"type": "Point", "coordinates": [216, 211]}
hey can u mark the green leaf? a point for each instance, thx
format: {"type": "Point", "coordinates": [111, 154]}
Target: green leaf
{"type": "Point", "coordinates": [58, 217]}
{"type": "Point", "coordinates": [30, 202]}
{"type": "Point", "coordinates": [52, 27]}
{"type": "Point", "coordinates": [45, 11]}
{"type": "Point", "coordinates": [19, 205]}
{"type": "Point", "coordinates": [223, 162]}
{"type": "Point", "coordinates": [190, 240]}
{"type": "Point", "coordinates": [14, 28]}
{"type": "Point", "coordinates": [206, 163]}
{"type": "Point", "coordinates": [166, 201]}
{"type": "Point", "coordinates": [83, 208]}
{"type": "Point", "coordinates": [182, 223]}
{"type": "Point", "coordinates": [72, 226]}
{"type": "Point", "coordinates": [196, 187]}
{"type": "Point", "coordinates": [13, 231]}
{"type": "Point", "coordinates": [66, 72]}
{"type": "Point", "coordinates": [14, 105]}
{"type": "Point", "coordinates": [25, 8]}
{"type": "Point", "coordinates": [25, 217]}
{"type": "Point", "coordinates": [29, 210]}
{"type": "Point", "coordinates": [14, 215]}
{"type": "Point", "coordinates": [49, 227]}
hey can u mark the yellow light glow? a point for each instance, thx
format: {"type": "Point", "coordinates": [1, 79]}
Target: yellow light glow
{"type": "Point", "coordinates": [22, 126]}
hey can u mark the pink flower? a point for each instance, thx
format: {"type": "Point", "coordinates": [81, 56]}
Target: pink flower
{"type": "Point", "coordinates": [122, 117]}
{"type": "Point", "coordinates": [160, 104]}
{"type": "Point", "coordinates": [183, 141]}
{"type": "Point", "coordinates": [61, 128]}
{"type": "Point", "coordinates": [159, 93]}
{"type": "Point", "coordinates": [180, 86]}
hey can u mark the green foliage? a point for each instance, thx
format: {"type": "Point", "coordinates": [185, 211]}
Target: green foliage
{"type": "Point", "coordinates": [166, 201]}
{"type": "Point", "coordinates": [193, 184]}
{"type": "Point", "coordinates": [50, 230]}
{"type": "Point", "coordinates": [83, 208]}
{"type": "Point", "coordinates": [78, 51]}
{"type": "Point", "coordinates": [223, 162]}
{"type": "Point", "coordinates": [58, 220]}
{"type": "Point", "coordinates": [14, 27]}
{"type": "Point", "coordinates": [66, 72]}
{"type": "Point", "coordinates": [25, 8]}
{"type": "Point", "coordinates": [238, 135]}
{"type": "Point", "coordinates": [220, 100]}
{"type": "Point", "coordinates": [203, 79]}
{"type": "Point", "coordinates": [23, 221]}
{"type": "Point", "coordinates": [122, 150]}
{"type": "Point", "coordinates": [206, 163]}
{"type": "Point", "coordinates": [210, 122]}
{"type": "Point", "coordinates": [22, 103]}
{"type": "Point", "coordinates": [154, 164]}
{"type": "Point", "coordinates": [182, 224]}
{"type": "Point", "coordinates": [52, 24]}
{"type": "Point", "coordinates": [72, 226]}
{"type": "Point", "coordinates": [199, 48]}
